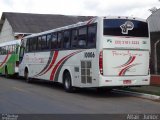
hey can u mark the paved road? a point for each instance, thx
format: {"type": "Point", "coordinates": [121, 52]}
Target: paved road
{"type": "Point", "coordinates": [17, 96]}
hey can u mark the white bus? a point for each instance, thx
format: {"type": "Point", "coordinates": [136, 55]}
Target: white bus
{"type": "Point", "coordinates": [101, 52]}
{"type": "Point", "coordinates": [9, 57]}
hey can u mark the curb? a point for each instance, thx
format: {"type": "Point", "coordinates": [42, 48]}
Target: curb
{"type": "Point", "coordinates": [137, 94]}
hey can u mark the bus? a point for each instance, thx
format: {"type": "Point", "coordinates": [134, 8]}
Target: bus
{"type": "Point", "coordinates": [9, 57]}
{"type": "Point", "coordinates": [99, 53]}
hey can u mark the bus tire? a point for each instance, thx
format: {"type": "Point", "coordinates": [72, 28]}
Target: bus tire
{"type": "Point", "coordinates": [67, 82]}
{"type": "Point", "coordinates": [26, 73]}
{"type": "Point", "coordinates": [6, 72]}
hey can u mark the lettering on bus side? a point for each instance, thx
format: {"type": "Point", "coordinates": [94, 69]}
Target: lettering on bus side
{"type": "Point", "coordinates": [89, 54]}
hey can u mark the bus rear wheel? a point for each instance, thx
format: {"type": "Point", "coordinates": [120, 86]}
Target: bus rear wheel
{"type": "Point", "coordinates": [6, 72]}
{"type": "Point", "coordinates": [67, 82]}
{"type": "Point", "coordinates": [26, 76]}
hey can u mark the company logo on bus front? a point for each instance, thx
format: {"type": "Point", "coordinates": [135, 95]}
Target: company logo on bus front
{"type": "Point", "coordinates": [128, 25]}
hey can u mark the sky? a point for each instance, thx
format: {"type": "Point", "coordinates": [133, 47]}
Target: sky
{"type": "Point", "coordinates": [135, 8]}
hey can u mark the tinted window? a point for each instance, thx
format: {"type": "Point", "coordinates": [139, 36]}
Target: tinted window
{"type": "Point", "coordinates": [27, 46]}
{"type": "Point", "coordinates": [4, 50]}
{"type": "Point", "coordinates": [39, 46]}
{"type": "Point", "coordinates": [66, 42]}
{"type": "Point", "coordinates": [60, 38]}
{"type": "Point", "coordinates": [54, 41]}
{"type": "Point", "coordinates": [48, 40]}
{"type": "Point", "coordinates": [74, 40]}
{"type": "Point", "coordinates": [34, 43]}
{"type": "Point", "coordinates": [123, 27]}
{"type": "Point", "coordinates": [92, 31]}
{"type": "Point", "coordinates": [15, 49]}
{"type": "Point", "coordinates": [12, 48]}
{"type": "Point", "coordinates": [44, 43]}
{"type": "Point", "coordinates": [1, 51]}
{"type": "Point", "coordinates": [9, 48]}
{"type": "Point", "coordinates": [21, 53]}
{"type": "Point", "coordinates": [31, 44]}
{"type": "Point", "coordinates": [82, 37]}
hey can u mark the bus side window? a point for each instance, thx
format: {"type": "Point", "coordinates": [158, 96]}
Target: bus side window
{"type": "Point", "coordinates": [54, 41]}
{"type": "Point", "coordinates": [0, 51]}
{"type": "Point", "coordinates": [60, 39]}
{"type": "Point", "coordinates": [27, 46]}
{"type": "Point", "coordinates": [74, 40]}
{"type": "Point", "coordinates": [44, 42]}
{"type": "Point", "coordinates": [16, 47]}
{"type": "Point", "coordinates": [49, 41]}
{"type": "Point", "coordinates": [6, 50]}
{"type": "Point", "coordinates": [3, 50]}
{"type": "Point", "coordinates": [82, 37]}
{"type": "Point", "coordinates": [39, 43]}
{"type": "Point", "coordinates": [34, 45]}
{"type": "Point", "coordinates": [30, 45]}
{"type": "Point", "coordinates": [21, 52]}
{"type": "Point", "coordinates": [92, 33]}
{"type": "Point", "coordinates": [66, 42]}
{"type": "Point", "coordinates": [11, 49]}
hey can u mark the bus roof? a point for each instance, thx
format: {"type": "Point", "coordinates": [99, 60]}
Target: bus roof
{"type": "Point", "coordinates": [13, 42]}
{"type": "Point", "coordinates": [58, 29]}
{"type": "Point", "coordinates": [92, 20]}
{"type": "Point", "coordinates": [124, 17]}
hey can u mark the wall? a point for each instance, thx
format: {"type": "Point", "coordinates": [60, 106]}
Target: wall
{"type": "Point", "coordinates": [154, 37]}
{"type": "Point", "coordinates": [155, 80]}
{"type": "Point", "coordinates": [6, 32]}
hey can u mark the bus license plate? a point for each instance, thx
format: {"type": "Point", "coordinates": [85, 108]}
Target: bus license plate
{"type": "Point", "coordinates": [127, 82]}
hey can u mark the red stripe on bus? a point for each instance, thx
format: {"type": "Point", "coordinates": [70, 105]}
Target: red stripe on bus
{"type": "Point", "coordinates": [5, 59]}
{"type": "Point", "coordinates": [56, 67]}
{"type": "Point", "coordinates": [52, 63]}
{"type": "Point", "coordinates": [41, 72]}
{"type": "Point", "coordinates": [123, 71]}
{"type": "Point", "coordinates": [59, 63]}
{"type": "Point", "coordinates": [131, 59]}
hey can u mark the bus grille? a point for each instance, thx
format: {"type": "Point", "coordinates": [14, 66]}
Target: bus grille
{"type": "Point", "coordinates": [86, 72]}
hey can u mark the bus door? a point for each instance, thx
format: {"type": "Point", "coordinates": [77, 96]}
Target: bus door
{"type": "Point", "coordinates": [21, 54]}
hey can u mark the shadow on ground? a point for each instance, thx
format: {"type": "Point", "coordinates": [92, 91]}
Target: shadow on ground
{"type": "Point", "coordinates": [91, 92]}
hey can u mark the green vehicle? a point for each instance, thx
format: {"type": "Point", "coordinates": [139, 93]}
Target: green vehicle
{"type": "Point", "coordinates": [9, 57]}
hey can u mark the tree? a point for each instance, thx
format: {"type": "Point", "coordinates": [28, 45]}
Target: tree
{"type": "Point", "coordinates": [153, 9]}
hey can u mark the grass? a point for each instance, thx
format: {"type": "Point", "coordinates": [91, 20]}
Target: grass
{"type": "Point", "coordinates": [154, 90]}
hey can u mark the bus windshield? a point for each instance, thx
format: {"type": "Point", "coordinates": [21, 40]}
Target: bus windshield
{"type": "Point", "coordinates": [125, 27]}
